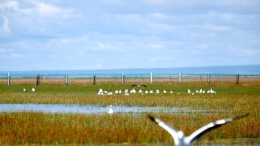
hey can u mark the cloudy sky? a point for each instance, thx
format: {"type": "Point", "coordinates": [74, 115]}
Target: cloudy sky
{"type": "Point", "coordinates": [116, 34]}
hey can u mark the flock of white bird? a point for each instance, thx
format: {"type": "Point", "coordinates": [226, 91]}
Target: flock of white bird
{"type": "Point", "coordinates": [201, 91]}
{"type": "Point", "coordinates": [140, 91]}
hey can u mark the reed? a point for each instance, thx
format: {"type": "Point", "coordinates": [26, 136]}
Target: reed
{"type": "Point", "coordinates": [29, 128]}
{"type": "Point", "coordinates": [39, 128]}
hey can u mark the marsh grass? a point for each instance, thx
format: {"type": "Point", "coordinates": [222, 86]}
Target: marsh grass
{"type": "Point", "coordinates": [26, 128]}
{"type": "Point", "coordinates": [39, 128]}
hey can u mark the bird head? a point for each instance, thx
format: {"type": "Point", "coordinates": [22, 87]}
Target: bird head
{"type": "Point", "coordinates": [180, 135]}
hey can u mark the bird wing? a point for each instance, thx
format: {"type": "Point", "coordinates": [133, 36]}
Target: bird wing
{"type": "Point", "coordinates": [143, 85]}
{"type": "Point", "coordinates": [213, 125]}
{"type": "Point", "coordinates": [134, 85]}
{"type": "Point", "coordinates": [168, 128]}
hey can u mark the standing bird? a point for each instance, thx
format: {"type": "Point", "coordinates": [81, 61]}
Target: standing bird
{"type": "Point", "coordinates": [181, 140]}
{"type": "Point", "coordinates": [139, 85]}
{"type": "Point", "coordinates": [24, 90]}
{"type": "Point", "coordinates": [110, 111]}
{"type": "Point", "coordinates": [33, 90]}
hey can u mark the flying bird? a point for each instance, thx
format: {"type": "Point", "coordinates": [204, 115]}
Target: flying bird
{"type": "Point", "coordinates": [181, 140]}
{"type": "Point", "coordinates": [139, 85]}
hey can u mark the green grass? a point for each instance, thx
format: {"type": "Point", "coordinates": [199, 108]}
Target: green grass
{"type": "Point", "coordinates": [24, 128]}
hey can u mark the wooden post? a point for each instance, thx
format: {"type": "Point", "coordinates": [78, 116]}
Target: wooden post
{"type": "Point", "coordinates": [123, 78]}
{"type": "Point", "coordinates": [151, 77]}
{"type": "Point", "coordinates": [8, 79]}
{"type": "Point", "coordinates": [94, 78]}
{"type": "Point", "coordinates": [66, 78]}
{"type": "Point", "coordinates": [180, 77]}
{"type": "Point", "coordinates": [237, 78]}
{"type": "Point", "coordinates": [38, 79]}
{"type": "Point", "coordinates": [208, 79]}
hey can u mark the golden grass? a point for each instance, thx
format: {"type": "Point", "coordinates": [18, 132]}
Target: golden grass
{"type": "Point", "coordinates": [28, 128]}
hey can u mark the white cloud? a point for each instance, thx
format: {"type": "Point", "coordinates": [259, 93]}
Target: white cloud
{"type": "Point", "coordinates": [126, 34]}
{"type": "Point", "coordinates": [48, 10]}
{"type": "Point", "coordinates": [6, 25]}
{"type": "Point", "coordinates": [9, 4]}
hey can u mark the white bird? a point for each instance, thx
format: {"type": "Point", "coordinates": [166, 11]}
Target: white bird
{"type": "Point", "coordinates": [157, 91]}
{"type": "Point", "coordinates": [211, 91]}
{"type": "Point", "coordinates": [189, 92]}
{"type": "Point", "coordinates": [33, 90]}
{"type": "Point", "coordinates": [116, 92]}
{"type": "Point", "coordinates": [133, 91]}
{"type": "Point", "coordinates": [151, 91]}
{"type": "Point", "coordinates": [140, 91]}
{"type": "Point", "coordinates": [100, 92]}
{"type": "Point", "coordinates": [164, 91]}
{"type": "Point", "coordinates": [181, 140]}
{"type": "Point", "coordinates": [110, 111]}
{"type": "Point", "coordinates": [24, 90]}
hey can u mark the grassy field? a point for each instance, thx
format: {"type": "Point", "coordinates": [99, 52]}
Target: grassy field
{"type": "Point", "coordinates": [28, 128]}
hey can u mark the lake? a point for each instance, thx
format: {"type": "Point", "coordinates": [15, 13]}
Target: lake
{"type": "Point", "coordinates": [95, 109]}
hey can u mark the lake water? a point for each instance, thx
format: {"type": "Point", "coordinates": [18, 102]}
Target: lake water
{"type": "Point", "coordinates": [94, 109]}
{"type": "Point", "coordinates": [84, 109]}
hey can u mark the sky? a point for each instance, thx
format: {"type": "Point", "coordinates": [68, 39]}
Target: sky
{"type": "Point", "coordinates": [120, 34]}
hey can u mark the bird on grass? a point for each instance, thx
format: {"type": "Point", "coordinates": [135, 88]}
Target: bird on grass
{"type": "Point", "coordinates": [24, 90]}
{"type": "Point", "coordinates": [110, 111]}
{"type": "Point", "coordinates": [139, 85]}
{"type": "Point", "coordinates": [33, 90]}
{"type": "Point", "coordinates": [181, 140]}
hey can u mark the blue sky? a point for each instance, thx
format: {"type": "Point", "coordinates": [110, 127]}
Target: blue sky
{"type": "Point", "coordinates": [118, 34]}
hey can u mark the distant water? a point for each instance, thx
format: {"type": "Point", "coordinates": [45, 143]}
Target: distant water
{"type": "Point", "coordinates": [214, 70]}
{"type": "Point", "coordinates": [94, 109]}
{"type": "Point", "coordinates": [84, 109]}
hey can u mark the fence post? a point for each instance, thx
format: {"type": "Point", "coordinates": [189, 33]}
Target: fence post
{"type": "Point", "coordinates": [38, 79]}
{"type": "Point", "coordinates": [180, 77]}
{"type": "Point", "coordinates": [94, 78]}
{"type": "Point", "coordinates": [66, 78]}
{"type": "Point", "coordinates": [123, 78]}
{"type": "Point", "coordinates": [8, 79]}
{"type": "Point", "coordinates": [237, 78]}
{"type": "Point", "coordinates": [151, 77]}
{"type": "Point", "coordinates": [208, 79]}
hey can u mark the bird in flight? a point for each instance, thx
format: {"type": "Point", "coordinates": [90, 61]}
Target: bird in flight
{"type": "Point", "coordinates": [181, 140]}
{"type": "Point", "coordinates": [139, 85]}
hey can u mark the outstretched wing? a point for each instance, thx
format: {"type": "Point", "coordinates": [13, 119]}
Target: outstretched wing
{"type": "Point", "coordinates": [143, 85]}
{"type": "Point", "coordinates": [168, 128]}
{"type": "Point", "coordinates": [213, 125]}
{"type": "Point", "coordinates": [134, 85]}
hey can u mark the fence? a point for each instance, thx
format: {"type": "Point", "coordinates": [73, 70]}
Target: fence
{"type": "Point", "coordinates": [122, 78]}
